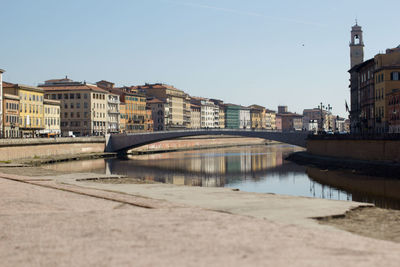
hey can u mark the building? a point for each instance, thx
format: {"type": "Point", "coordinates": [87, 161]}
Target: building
{"type": "Point", "coordinates": [31, 113]}
{"type": "Point", "coordinates": [195, 116]}
{"type": "Point", "coordinates": [319, 115]}
{"type": "Point", "coordinates": [157, 112]}
{"type": "Point", "coordinates": [291, 122]}
{"type": "Point", "coordinates": [148, 123]}
{"type": "Point", "coordinates": [232, 120]}
{"type": "Point", "coordinates": [1, 102]}
{"type": "Point", "coordinates": [282, 109]}
{"type": "Point", "coordinates": [356, 58]}
{"type": "Point", "coordinates": [278, 123]}
{"type": "Point", "coordinates": [52, 120]}
{"type": "Point", "coordinates": [176, 104]}
{"type": "Point", "coordinates": [113, 110]}
{"type": "Point", "coordinates": [387, 82]}
{"type": "Point", "coordinates": [270, 120]}
{"type": "Point", "coordinates": [209, 117]}
{"type": "Point", "coordinates": [122, 117]}
{"type": "Point", "coordinates": [244, 118]}
{"type": "Point", "coordinates": [257, 117]}
{"type": "Point", "coordinates": [10, 126]}
{"type": "Point", "coordinates": [83, 106]}
{"type": "Point", "coordinates": [221, 112]}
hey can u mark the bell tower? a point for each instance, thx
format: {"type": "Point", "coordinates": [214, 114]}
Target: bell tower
{"type": "Point", "coordinates": [356, 46]}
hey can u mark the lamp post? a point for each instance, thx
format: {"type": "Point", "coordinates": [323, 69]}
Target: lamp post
{"type": "Point", "coordinates": [323, 108]}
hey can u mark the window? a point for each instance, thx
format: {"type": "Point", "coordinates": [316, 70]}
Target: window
{"type": "Point", "coordinates": [78, 96]}
{"type": "Point", "coordinates": [53, 96]}
{"type": "Point", "coordinates": [72, 114]}
{"type": "Point", "coordinates": [394, 76]}
{"type": "Point", "coordinates": [59, 96]}
{"type": "Point", "coordinates": [71, 96]}
{"type": "Point", "coordinates": [85, 104]}
{"type": "Point", "coordinates": [78, 105]}
{"type": "Point", "coordinates": [65, 96]}
{"type": "Point", "coordinates": [85, 96]}
{"type": "Point", "coordinates": [72, 105]}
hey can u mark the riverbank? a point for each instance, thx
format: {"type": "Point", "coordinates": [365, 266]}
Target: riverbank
{"type": "Point", "coordinates": [49, 218]}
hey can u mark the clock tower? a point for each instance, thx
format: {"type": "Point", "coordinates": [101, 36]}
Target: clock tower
{"type": "Point", "coordinates": [356, 46]}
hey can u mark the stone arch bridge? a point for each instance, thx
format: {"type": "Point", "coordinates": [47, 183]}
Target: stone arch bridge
{"type": "Point", "coordinates": [121, 143]}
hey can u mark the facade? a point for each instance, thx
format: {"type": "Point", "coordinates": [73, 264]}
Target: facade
{"type": "Point", "coordinates": [52, 120]}
{"type": "Point", "coordinates": [83, 106]}
{"type": "Point", "coordinates": [209, 117]}
{"type": "Point", "coordinates": [257, 117]}
{"type": "Point", "coordinates": [270, 120]}
{"type": "Point", "coordinates": [195, 116]}
{"type": "Point", "coordinates": [157, 113]}
{"type": "Point", "coordinates": [113, 110]}
{"type": "Point", "coordinates": [1, 102]}
{"type": "Point", "coordinates": [244, 118]}
{"type": "Point", "coordinates": [291, 122]}
{"type": "Point", "coordinates": [122, 117]}
{"type": "Point", "coordinates": [282, 109]}
{"type": "Point", "coordinates": [221, 112]}
{"type": "Point", "coordinates": [176, 104]}
{"type": "Point", "coordinates": [278, 123]}
{"type": "Point", "coordinates": [387, 82]}
{"type": "Point", "coordinates": [10, 126]}
{"type": "Point", "coordinates": [232, 112]}
{"type": "Point", "coordinates": [319, 115]}
{"type": "Point", "coordinates": [148, 124]}
{"type": "Point", "coordinates": [31, 112]}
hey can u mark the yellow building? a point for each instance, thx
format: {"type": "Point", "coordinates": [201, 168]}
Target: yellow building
{"type": "Point", "coordinates": [270, 120]}
{"type": "Point", "coordinates": [257, 117]}
{"type": "Point", "coordinates": [385, 84]}
{"type": "Point", "coordinates": [122, 118]}
{"type": "Point", "coordinates": [31, 115]}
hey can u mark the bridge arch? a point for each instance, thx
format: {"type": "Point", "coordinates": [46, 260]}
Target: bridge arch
{"type": "Point", "coordinates": [121, 143]}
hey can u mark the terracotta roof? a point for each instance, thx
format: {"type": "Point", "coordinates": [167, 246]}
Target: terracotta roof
{"type": "Point", "coordinates": [195, 106]}
{"type": "Point", "coordinates": [74, 87]}
{"type": "Point", "coordinates": [154, 100]}
{"type": "Point", "coordinates": [8, 85]}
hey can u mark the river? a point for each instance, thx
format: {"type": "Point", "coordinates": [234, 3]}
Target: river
{"type": "Point", "coordinates": [260, 168]}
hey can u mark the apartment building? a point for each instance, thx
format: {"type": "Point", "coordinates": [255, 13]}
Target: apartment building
{"type": "Point", "coordinates": [1, 102]}
{"type": "Point", "coordinates": [157, 112]}
{"type": "Point", "coordinates": [10, 127]}
{"type": "Point", "coordinates": [195, 116]}
{"type": "Point", "coordinates": [257, 117]}
{"type": "Point", "coordinates": [83, 106]}
{"type": "Point", "coordinates": [244, 118]}
{"type": "Point", "coordinates": [270, 120]}
{"type": "Point", "coordinates": [113, 118]}
{"type": "Point", "coordinates": [52, 120]}
{"type": "Point", "coordinates": [176, 104]}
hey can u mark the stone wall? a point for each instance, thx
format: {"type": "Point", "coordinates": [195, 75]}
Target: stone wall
{"type": "Point", "coordinates": [11, 149]}
{"type": "Point", "coordinates": [362, 149]}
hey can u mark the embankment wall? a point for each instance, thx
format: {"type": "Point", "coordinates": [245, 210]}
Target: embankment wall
{"type": "Point", "coordinates": [11, 149]}
{"type": "Point", "coordinates": [359, 149]}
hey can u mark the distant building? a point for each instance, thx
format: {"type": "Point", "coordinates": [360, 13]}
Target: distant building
{"type": "Point", "coordinates": [195, 116]}
{"type": "Point", "coordinates": [257, 117]}
{"type": "Point", "coordinates": [176, 104]}
{"type": "Point", "coordinates": [232, 120]}
{"type": "Point", "coordinates": [291, 122]}
{"type": "Point", "coordinates": [122, 117]}
{"type": "Point", "coordinates": [321, 116]}
{"type": "Point", "coordinates": [31, 110]}
{"type": "Point", "coordinates": [221, 115]}
{"type": "Point", "coordinates": [10, 127]}
{"type": "Point", "coordinates": [51, 118]}
{"type": "Point", "coordinates": [84, 107]}
{"type": "Point", "coordinates": [157, 112]}
{"type": "Point", "coordinates": [282, 109]}
{"type": "Point", "coordinates": [1, 103]}
{"type": "Point", "coordinates": [270, 120]}
{"type": "Point", "coordinates": [244, 118]}
{"type": "Point", "coordinates": [278, 122]}
{"type": "Point", "coordinates": [113, 109]}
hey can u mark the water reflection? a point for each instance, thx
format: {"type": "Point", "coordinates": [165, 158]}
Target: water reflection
{"type": "Point", "coordinates": [252, 169]}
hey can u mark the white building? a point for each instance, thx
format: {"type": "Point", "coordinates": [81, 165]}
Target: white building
{"type": "Point", "coordinates": [1, 102]}
{"type": "Point", "coordinates": [113, 115]}
{"type": "Point", "coordinates": [209, 114]}
{"type": "Point", "coordinates": [244, 118]}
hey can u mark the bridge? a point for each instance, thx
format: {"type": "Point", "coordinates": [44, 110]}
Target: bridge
{"type": "Point", "coordinates": [121, 143]}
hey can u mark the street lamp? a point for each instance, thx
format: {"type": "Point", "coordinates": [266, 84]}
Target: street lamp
{"type": "Point", "coordinates": [323, 108]}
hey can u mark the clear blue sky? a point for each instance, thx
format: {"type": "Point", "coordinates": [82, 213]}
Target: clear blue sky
{"type": "Point", "coordinates": [270, 53]}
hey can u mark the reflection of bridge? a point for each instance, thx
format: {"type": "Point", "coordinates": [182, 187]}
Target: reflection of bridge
{"type": "Point", "coordinates": [124, 142]}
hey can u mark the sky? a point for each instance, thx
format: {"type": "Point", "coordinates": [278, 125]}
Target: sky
{"type": "Point", "coordinates": [271, 53]}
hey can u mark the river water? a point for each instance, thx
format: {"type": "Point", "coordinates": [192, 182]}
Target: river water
{"type": "Point", "coordinates": [260, 168]}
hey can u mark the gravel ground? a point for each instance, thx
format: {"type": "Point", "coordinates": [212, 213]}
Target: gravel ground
{"type": "Point", "coordinates": [371, 222]}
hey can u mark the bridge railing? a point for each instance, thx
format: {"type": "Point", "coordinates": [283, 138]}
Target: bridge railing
{"type": "Point", "coordinates": [204, 130]}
